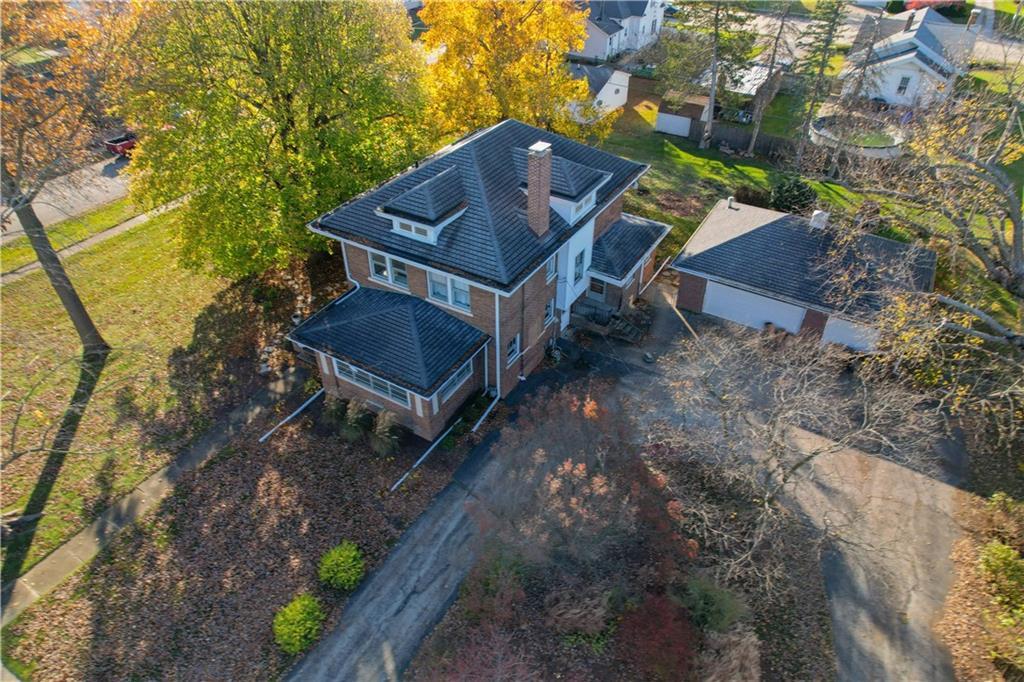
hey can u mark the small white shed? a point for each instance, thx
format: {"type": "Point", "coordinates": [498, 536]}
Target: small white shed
{"type": "Point", "coordinates": [675, 113]}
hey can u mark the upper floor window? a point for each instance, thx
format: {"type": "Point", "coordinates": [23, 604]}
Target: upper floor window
{"type": "Point", "coordinates": [549, 311]}
{"type": "Point", "coordinates": [587, 202]}
{"type": "Point", "coordinates": [551, 268]}
{"type": "Point", "coordinates": [904, 84]}
{"type": "Point", "coordinates": [448, 290]}
{"type": "Point", "coordinates": [577, 270]}
{"type": "Point", "coordinates": [416, 230]}
{"type": "Point", "coordinates": [389, 270]}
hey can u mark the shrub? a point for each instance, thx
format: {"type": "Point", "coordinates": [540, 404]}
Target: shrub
{"type": "Point", "coordinates": [752, 196]}
{"type": "Point", "coordinates": [384, 439]}
{"type": "Point", "coordinates": [342, 567]}
{"type": "Point", "coordinates": [712, 607]}
{"type": "Point", "coordinates": [1003, 568]}
{"type": "Point", "coordinates": [574, 610]}
{"type": "Point", "coordinates": [895, 6]}
{"type": "Point", "coordinates": [793, 195]}
{"type": "Point", "coordinates": [335, 410]}
{"type": "Point", "coordinates": [733, 655]}
{"type": "Point", "coordinates": [358, 419]}
{"type": "Point", "coordinates": [494, 593]}
{"type": "Point", "coordinates": [658, 639]}
{"type": "Point", "coordinates": [297, 624]}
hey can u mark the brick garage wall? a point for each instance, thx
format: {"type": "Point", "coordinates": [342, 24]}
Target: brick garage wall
{"type": "Point", "coordinates": [814, 323]}
{"type": "Point", "coordinates": [608, 216]}
{"type": "Point", "coordinates": [691, 292]}
{"type": "Point", "coordinates": [523, 313]}
{"type": "Point", "coordinates": [429, 424]}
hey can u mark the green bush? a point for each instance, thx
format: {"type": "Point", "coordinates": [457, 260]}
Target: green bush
{"type": "Point", "coordinates": [793, 195]}
{"type": "Point", "coordinates": [297, 624]}
{"type": "Point", "coordinates": [358, 420]}
{"type": "Point", "coordinates": [384, 439]}
{"type": "Point", "coordinates": [335, 410]}
{"type": "Point", "coordinates": [1003, 568]}
{"type": "Point", "coordinates": [895, 7]}
{"type": "Point", "coordinates": [711, 607]}
{"type": "Point", "coordinates": [342, 567]}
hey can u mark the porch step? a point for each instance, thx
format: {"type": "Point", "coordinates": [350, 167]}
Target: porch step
{"type": "Point", "coordinates": [623, 329]}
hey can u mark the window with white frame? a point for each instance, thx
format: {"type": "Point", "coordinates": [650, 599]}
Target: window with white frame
{"type": "Point", "coordinates": [577, 270]}
{"type": "Point", "coordinates": [456, 380]}
{"type": "Point", "coordinates": [587, 202]}
{"type": "Point", "coordinates": [415, 230]}
{"type": "Point", "coordinates": [448, 290]}
{"type": "Point", "coordinates": [354, 375]}
{"type": "Point", "coordinates": [551, 268]}
{"type": "Point", "coordinates": [512, 352]}
{"type": "Point", "coordinates": [389, 270]}
{"type": "Point", "coordinates": [904, 84]}
{"type": "Point", "coordinates": [549, 311]}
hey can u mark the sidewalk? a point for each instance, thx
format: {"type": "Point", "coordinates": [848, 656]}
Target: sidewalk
{"type": "Point", "coordinates": [18, 273]}
{"type": "Point", "coordinates": [80, 549]}
{"type": "Point", "coordinates": [76, 193]}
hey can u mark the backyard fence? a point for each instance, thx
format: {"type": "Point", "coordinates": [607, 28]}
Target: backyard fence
{"type": "Point", "coordinates": [767, 146]}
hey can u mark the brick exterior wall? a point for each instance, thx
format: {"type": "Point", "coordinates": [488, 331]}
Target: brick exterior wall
{"type": "Point", "coordinates": [427, 425]}
{"type": "Point", "coordinates": [608, 216]}
{"type": "Point", "coordinates": [538, 189]}
{"type": "Point", "coordinates": [691, 292]}
{"type": "Point", "coordinates": [814, 323]}
{"type": "Point", "coordinates": [523, 313]}
{"type": "Point", "coordinates": [647, 271]}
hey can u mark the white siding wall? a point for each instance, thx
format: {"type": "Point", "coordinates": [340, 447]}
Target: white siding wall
{"type": "Point", "coordinates": [614, 93]}
{"type": "Point", "coordinates": [751, 310]}
{"type": "Point", "coordinates": [568, 291]}
{"type": "Point", "coordinates": [884, 82]}
{"type": "Point", "coordinates": [850, 334]}
{"type": "Point", "coordinates": [597, 44]}
{"type": "Point", "coordinates": [672, 124]}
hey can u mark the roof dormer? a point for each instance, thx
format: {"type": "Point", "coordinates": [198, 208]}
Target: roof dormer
{"type": "Point", "coordinates": [573, 186]}
{"type": "Point", "coordinates": [423, 211]}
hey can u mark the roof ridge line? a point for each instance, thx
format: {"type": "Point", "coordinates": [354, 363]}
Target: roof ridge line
{"type": "Point", "coordinates": [416, 339]}
{"type": "Point", "coordinates": [488, 214]}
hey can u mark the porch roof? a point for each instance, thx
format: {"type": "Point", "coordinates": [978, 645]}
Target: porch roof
{"type": "Point", "coordinates": [394, 336]}
{"type": "Point", "coordinates": [622, 245]}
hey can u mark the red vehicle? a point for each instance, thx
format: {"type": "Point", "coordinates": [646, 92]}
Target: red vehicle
{"type": "Point", "coordinates": [121, 145]}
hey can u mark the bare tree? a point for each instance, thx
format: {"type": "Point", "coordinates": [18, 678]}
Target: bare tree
{"type": "Point", "coordinates": [778, 50]}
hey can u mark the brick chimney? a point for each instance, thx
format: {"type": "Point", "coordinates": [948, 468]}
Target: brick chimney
{"type": "Point", "coordinates": [538, 187]}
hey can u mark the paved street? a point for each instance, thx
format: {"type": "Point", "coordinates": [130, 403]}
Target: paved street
{"type": "Point", "coordinates": [76, 193]}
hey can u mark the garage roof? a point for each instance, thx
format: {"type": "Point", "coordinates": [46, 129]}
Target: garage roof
{"type": "Point", "coordinates": [783, 256]}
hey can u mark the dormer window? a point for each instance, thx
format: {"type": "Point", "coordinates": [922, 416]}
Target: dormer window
{"type": "Point", "coordinates": [422, 211]}
{"type": "Point", "coordinates": [582, 206]}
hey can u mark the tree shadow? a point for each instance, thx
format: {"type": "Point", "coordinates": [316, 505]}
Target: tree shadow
{"type": "Point", "coordinates": [92, 365]}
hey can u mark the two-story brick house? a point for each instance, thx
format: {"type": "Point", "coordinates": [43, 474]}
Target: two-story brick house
{"type": "Point", "coordinates": [466, 268]}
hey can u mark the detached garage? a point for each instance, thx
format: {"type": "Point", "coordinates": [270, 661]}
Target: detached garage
{"type": "Point", "coordinates": [758, 267]}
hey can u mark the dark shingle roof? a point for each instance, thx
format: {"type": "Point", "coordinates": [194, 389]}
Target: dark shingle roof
{"type": "Point", "coordinates": [623, 244]}
{"type": "Point", "coordinates": [616, 9]}
{"type": "Point", "coordinates": [596, 76]}
{"type": "Point", "coordinates": [782, 255]}
{"type": "Point", "coordinates": [397, 337]}
{"type": "Point", "coordinates": [609, 26]}
{"type": "Point", "coordinates": [568, 180]}
{"type": "Point", "coordinates": [432, 200]}
{"type": "Point", "coordinates": [491, 242]}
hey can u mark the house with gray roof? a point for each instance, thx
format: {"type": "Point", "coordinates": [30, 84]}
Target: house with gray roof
{"type": "Point", "coordinates": [466, 267]}
{"type": "Point", "coordinates": [608, 86]}
{"type": "Point", "coordinates": [758, 267]}
{"type": "Point", "coordinates": [908, 59]}
{"type": "Point", "coordinates": [617, 26]}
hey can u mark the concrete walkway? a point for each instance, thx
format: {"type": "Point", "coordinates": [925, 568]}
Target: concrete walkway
{"type": "Point", "coordinates": [77, 551]}
{"type": "Point", "coordinates": [103, 236]}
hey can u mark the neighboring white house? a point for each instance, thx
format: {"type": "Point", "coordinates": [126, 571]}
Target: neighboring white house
{"type": "Point", "coordinates": [676, 114]}
{"type": "Point", "coordinates": [757, 267]}
{"type": "Point", "coordinates": [914, 61]}
{"type": "Point", "coordinates": [616, 26]}
{"type": "Point", "coordinates": [609, 87]}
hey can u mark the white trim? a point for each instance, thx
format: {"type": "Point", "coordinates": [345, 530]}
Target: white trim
{"type": "Point", "coordinates": [519, 351]}
{"type": "Point", "coordinates": [554, 273]}
{"type": "Point", "coordinates": [388, 260]}
{"type": "Point", "coordinates": [344, 258]}
{"type": "Point", "coordinates": [373, 389]}
{"type": "Point", "coordinates": [497, 343]}
{"type": "Point", "coordinates": [487, 363]}
{"type": "Point", "coordinates": [449, 285]}
{"type": "Point", "coordinates": [419, 405]}
{"type": "Point", "coordinates": [454, 389]}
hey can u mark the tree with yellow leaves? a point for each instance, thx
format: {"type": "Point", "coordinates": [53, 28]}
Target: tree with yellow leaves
{"type": "Point", "coordinates": [498, 59]}
{"type": "Point", "coordinates": [48, 111]}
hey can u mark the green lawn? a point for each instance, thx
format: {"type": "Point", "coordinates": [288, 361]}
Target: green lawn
{"type": "Point", "coordinates": [18, 251]}
{"type": "Point", "coordinates": [185, 348]}
{"type": "Point", "coordinates": [783, 116]}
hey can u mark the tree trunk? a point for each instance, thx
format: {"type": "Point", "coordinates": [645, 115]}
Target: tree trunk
{"type": "Point", "coordinates": [92, 341]}
{"type": "Point", "coordinates": [772, 83]}
{"type": "Point", "coordinates": [705, 139]}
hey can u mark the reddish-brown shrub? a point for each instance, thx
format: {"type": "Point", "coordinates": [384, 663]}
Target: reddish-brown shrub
{"type": "Point", "coordinates": [574, 609]}
{"type": "Point", "coordinates": [490, 655]}
{"type": "Point", "coordinates": [493, 592]}
{"type": "Point", "coordinates": [657, 639]}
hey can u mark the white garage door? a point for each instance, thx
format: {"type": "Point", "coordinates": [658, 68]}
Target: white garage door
{"type": "Point", "coordinates": [672, 124]}
{"type": "Point", "coordinates": [850, 334]}
{"type": "Point", "coordinates": [750, 309]}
